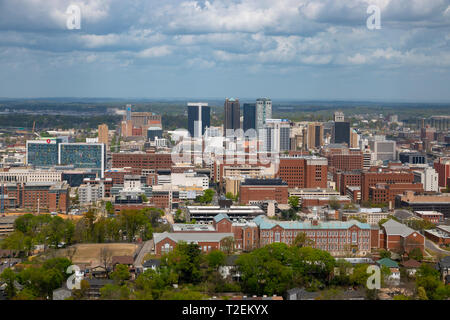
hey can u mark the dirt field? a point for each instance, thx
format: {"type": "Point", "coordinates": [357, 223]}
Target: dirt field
{"type": "Point", "coordinates": [89, 253]}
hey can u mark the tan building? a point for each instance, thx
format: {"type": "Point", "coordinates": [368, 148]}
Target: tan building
{"type": "Point", "coordinates": [315, 136]}
{"type": "Point", "coordinates": [103, 134]}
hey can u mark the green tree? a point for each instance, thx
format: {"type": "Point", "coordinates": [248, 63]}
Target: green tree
{"type": "Point", "coordinates": [302, 240]}
{"type": "Point", "coordinates": [415, 254]}
{"type": "Point", "coordinates": [185, 261]}
{"type": "Point", "coordinates": [294, 203]}
{"type": "Point", "coordinates": [109, 207]}
{"type": "Point", "coordinates": [115, 292]}
{"type": "Point", "coordinates": [120, 274]}
{"type": "Point", "coordinates": [227, 245]}
{"type": "Point", "coordinates": [8, 276]}
{"type": "Point", "coordinates": [215, 259]}
{"type": "Point", "coordinates": [385, 254]}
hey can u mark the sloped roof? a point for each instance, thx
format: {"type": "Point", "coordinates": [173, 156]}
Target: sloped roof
{"type": "Point", "coordinates": [220, 217]}
{"type": "Point", "coordinates": [393, 227]}
{"type": "Point", "coordinates": [388, 263]}
{"type": "Point", "coordinates": [191, 237]}
{"type": "Point", "coordinates": [264, 223]}
{"type": "Point", "coordinates": [411, 263]}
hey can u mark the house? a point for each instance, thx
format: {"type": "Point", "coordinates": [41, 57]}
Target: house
{"type": "Point", "coordinates": [444, 268]}
{"type": "Point", "coordinates": [411, 266]}
{"type": "Point", "coordinates": [62, 293]}
{"type": "Point", "coordinates": [393, 267]}
{"type": "Point", "coordinates": [126, 260]}
{"type": "Point", "coordinates": [95, 285]}
{"type": "Point", "coordinates": [99, 272]}
{"type": "Point", "coordinates": [153, 264]}
{"type": "Point", "coordinates": [301, 294]}
{"type": "Point", "coordinates": [229, 269]}
{"type": "Point", "coordinates": [400, 238]}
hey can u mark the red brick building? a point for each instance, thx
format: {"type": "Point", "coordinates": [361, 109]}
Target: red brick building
{"type": "Point", "coordinates": [385, 193]}
{"type": "Point", "coordinates": [141, 160]}
{"type": "Point", "coordinates": [207, 241]}
{"type": "Point", "coordinates": [383, 175]}
{"type": "Point", "coordinates": [346, 161]}
{"type": "Point", "coordinates": [397, 237]}
{"type": "Point", "coordinates": [52, 197]}
{"type": "Point", "coordinates": [303, 171]}
{"type": "Point", "coordinates": [259, 190]}
{"type": "Point", "coordinates": [442, 167]}
{"type": "Point", "coordinates": [346, 179]}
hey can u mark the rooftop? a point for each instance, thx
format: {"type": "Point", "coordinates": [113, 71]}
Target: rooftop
{"type": "Point", "coordinates": [191, 237]}
{"type": "Point", "coordinates": [265, 223]}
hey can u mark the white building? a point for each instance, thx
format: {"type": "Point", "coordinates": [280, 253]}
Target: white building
{"type": "Point", "coordinates": [428, 177]}
{"type": "Point", "coordinates": [91, 193]}
{"type": "Point", "coordinates": [277, 135]}
{"type": "Point", "coordinates": [28, 175]}
{"type": "Point", "coordinates": [382, 149]}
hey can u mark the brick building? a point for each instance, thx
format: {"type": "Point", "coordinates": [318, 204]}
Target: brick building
{"type": "Point", "coordinates": [442, 167]}
{"type": "Point", "coordinates": [385, 193]}
{"type": "Point", "coordinates": [259, 190]}
{"type": "Point", "coordinates": [336, 237]}
{"type": "Point", "coordinates": [303, 171]}
{"type": "Point", "coordinates": [207, 241]}
{"type": "Point", "coordinates": [346, 179]}
{"type": "Point", "coordinates": [397, 237]}
{"type": "Point", "coordinates": [142, 160]}
{"type": "Point", "coordinates": [383, 175]}
{"type": "Point", "coordinates": [52, 196]}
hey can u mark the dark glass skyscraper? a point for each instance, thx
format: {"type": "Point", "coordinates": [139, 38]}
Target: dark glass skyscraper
{"type": "Point", "coordinates": [199, 115]}
{"type": "Point", "coordinates": [341, 132]}
{"type": "Point", "coordinates": [249, 116]}
{"type": "Point", "coordinates": [232, 115]}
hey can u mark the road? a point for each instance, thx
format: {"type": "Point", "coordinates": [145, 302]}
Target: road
{"type": "Point", "coordinates": [433, 247]}
{"type": "Point", "coordinates": [146, 248]}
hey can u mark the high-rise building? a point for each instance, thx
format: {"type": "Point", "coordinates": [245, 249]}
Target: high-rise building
{"type": "Point", "coordinates": [341, 132]}
{"type": "Point", "coordinates": [249, 116]}
{"type": "Point", "coordinates": [263, 111]}
{"type": "Point", "coordinates": [43, 153]}
{"type": "Point", "coordinates": [84, 156]}
{"type": "Point", "coordinates": [383, 149]}
{"type": "Point", "coordinates": [103, 134]}
{"type": "Point", "coordinates": [277, 135]}
{"type": "Point", "coordinates": [199, 114]}
{"type": "Point", "coordinates": [303, 171]}
{"type": "Point", "coordinates": [428, 177]}
{"type": "Point", "coordinates": [128, 112]}
{"type": "Point", "coordinates": [315, 135]}
{"type": "Point", "coordinates": [339, 116]}
{"type": "Point", "coordinates": [232, 115]}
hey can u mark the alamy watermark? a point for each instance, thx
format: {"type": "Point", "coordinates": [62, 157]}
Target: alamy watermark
{"type": "Point", "coordinates": [374, 20]}
{"type": "Point", "coordinates": [73, 21]}
{"type": "Point", "coordinates": [74, 280]}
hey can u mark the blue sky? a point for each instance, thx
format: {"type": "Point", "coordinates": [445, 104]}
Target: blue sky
{"type": "Point", "coordinates": [292, 49]}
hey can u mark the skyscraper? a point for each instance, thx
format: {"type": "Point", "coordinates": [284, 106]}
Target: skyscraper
{"type": "Point", "coordinates": [315, 135]}
{"type": "Point", "coordinates": [199, 114]}
{"type": "Point", "coordinates": [103, 134]}
{"type": "Point", "coordinates": [277, 135]}
{"type": "Point", "coordinates": [263, 111]}
{"type": "Point", "coordinates": [232, 116]}
{"type": "Point", "coordinates": [249, 116]}
{"type": "Point", "coordinates": [128, 114]}
{"type": "Point", "coordinates": [341, 130]}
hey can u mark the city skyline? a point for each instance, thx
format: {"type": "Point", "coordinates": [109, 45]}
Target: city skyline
{"type": "Point", "coordinates": [296, 49]}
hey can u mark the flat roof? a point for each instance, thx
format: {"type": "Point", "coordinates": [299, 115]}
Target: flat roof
{"type": "Point", "coordinates": [191, 237]}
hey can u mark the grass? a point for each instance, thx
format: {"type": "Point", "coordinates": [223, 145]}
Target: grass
{"type": "Point", "coordinates": [90, 253]}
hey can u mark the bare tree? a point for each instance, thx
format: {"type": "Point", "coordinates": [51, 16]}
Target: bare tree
{"type": "Point", "coordinates": [106, 257]}
{"type": "Point", "coordinates": [70, 252]}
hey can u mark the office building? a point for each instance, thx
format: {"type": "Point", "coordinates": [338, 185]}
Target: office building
{"type": "Point", "coordinates": [263, 111]}
{"type": "Point", "coordinates": [277, 135]}
{"type": "Point", "coordinates": [103, 135]}
{"type": "Point", "coordinates": [412, 157]}
{"type": "Point", "coordinates": [206, 214]}
{"type": "Point", "coordinates": [254, 191]}
{"type": "Point", "coordinates": [250, 117]}
{"type": "Point", "coordinates": [383, 150]}
{"type": "Point", "coordinates": [303, 171]}
{"type": "Point", "coordinates": [43, 153]}
{"type": "Point", "coordinates": [232, 116]}
{"type": "Point", "coordinates": [428, 177]}
{"type": "Point", "coordinates": [315, 136]}
{"type": "Point", "coordinates": [153, 133]}
{"type": "Point", "coordinates": [83, 156]}
{"type": "Point", "coordinates": [442, 167]}
{"type": "Point", "coordinates": [198, 118]}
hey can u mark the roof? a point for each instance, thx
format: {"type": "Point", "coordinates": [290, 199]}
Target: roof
{"type": "Point", "coordinates": [388, 263]}
{"type": "Point", "coordinates": [122, 260]}
{"type": "Point", "coordinates": [393, 227]}
{"type": "Point", "coordinates": [411, 263]}
{"type": "Point", "coordinates": [151, 262]}
{"type": "Point", "coordinates": [220, 217]}
{"type": "Point", "coordinates": [264, 223]}
{"type": "Point", "coordinates": [444, 262]}
{"type": "Point", "coordinates": [191, 237]}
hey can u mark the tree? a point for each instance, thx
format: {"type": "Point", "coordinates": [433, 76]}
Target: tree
{"type": "Point", "coordinates": [429, 280]}
{"type": "Point", "coordinates": [105, 257]}
{"type": "Point", "coordinates": [415, 254]}
{"type": "Point", "coordinates": [385, 254]}
{"type": "Point", "coordinates": [9, 276]}
{"type": "Point", "coordinates": [115, 292]}
{"type": "Point", "coordinates": [215, 259]}
{"type": "Point", "coordinates": [334, 203]}
{"type": "Point", "coordinates": [302, 240]}
{"type": "Point", "coordinates": [144, 198]}
{"type": "Point", "coordinates": [227, 245]}
{"type": "Point", "coordinates": [207, 196]}
{"type": "Point", "coordinates": [293, 202]}
{"type": "Point", "coordinates": [80, 294]}
{"type": "Point", "coordinates": [120, 274]}
{"type": "Point", "coordinates": [422, 293]}
{"type": "Point", "coordinates": [109, 207]}
{"type": "Point", "coordinates": [185, 261]}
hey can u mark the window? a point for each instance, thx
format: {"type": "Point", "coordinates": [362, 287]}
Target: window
{"type": "Point", "coordinates": [354, 237]}
{"type": "Point", "coordinates": [277, 237]}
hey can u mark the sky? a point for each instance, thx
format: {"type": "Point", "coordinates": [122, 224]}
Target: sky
{"type": "Point", "coordinates": [283, 49]}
